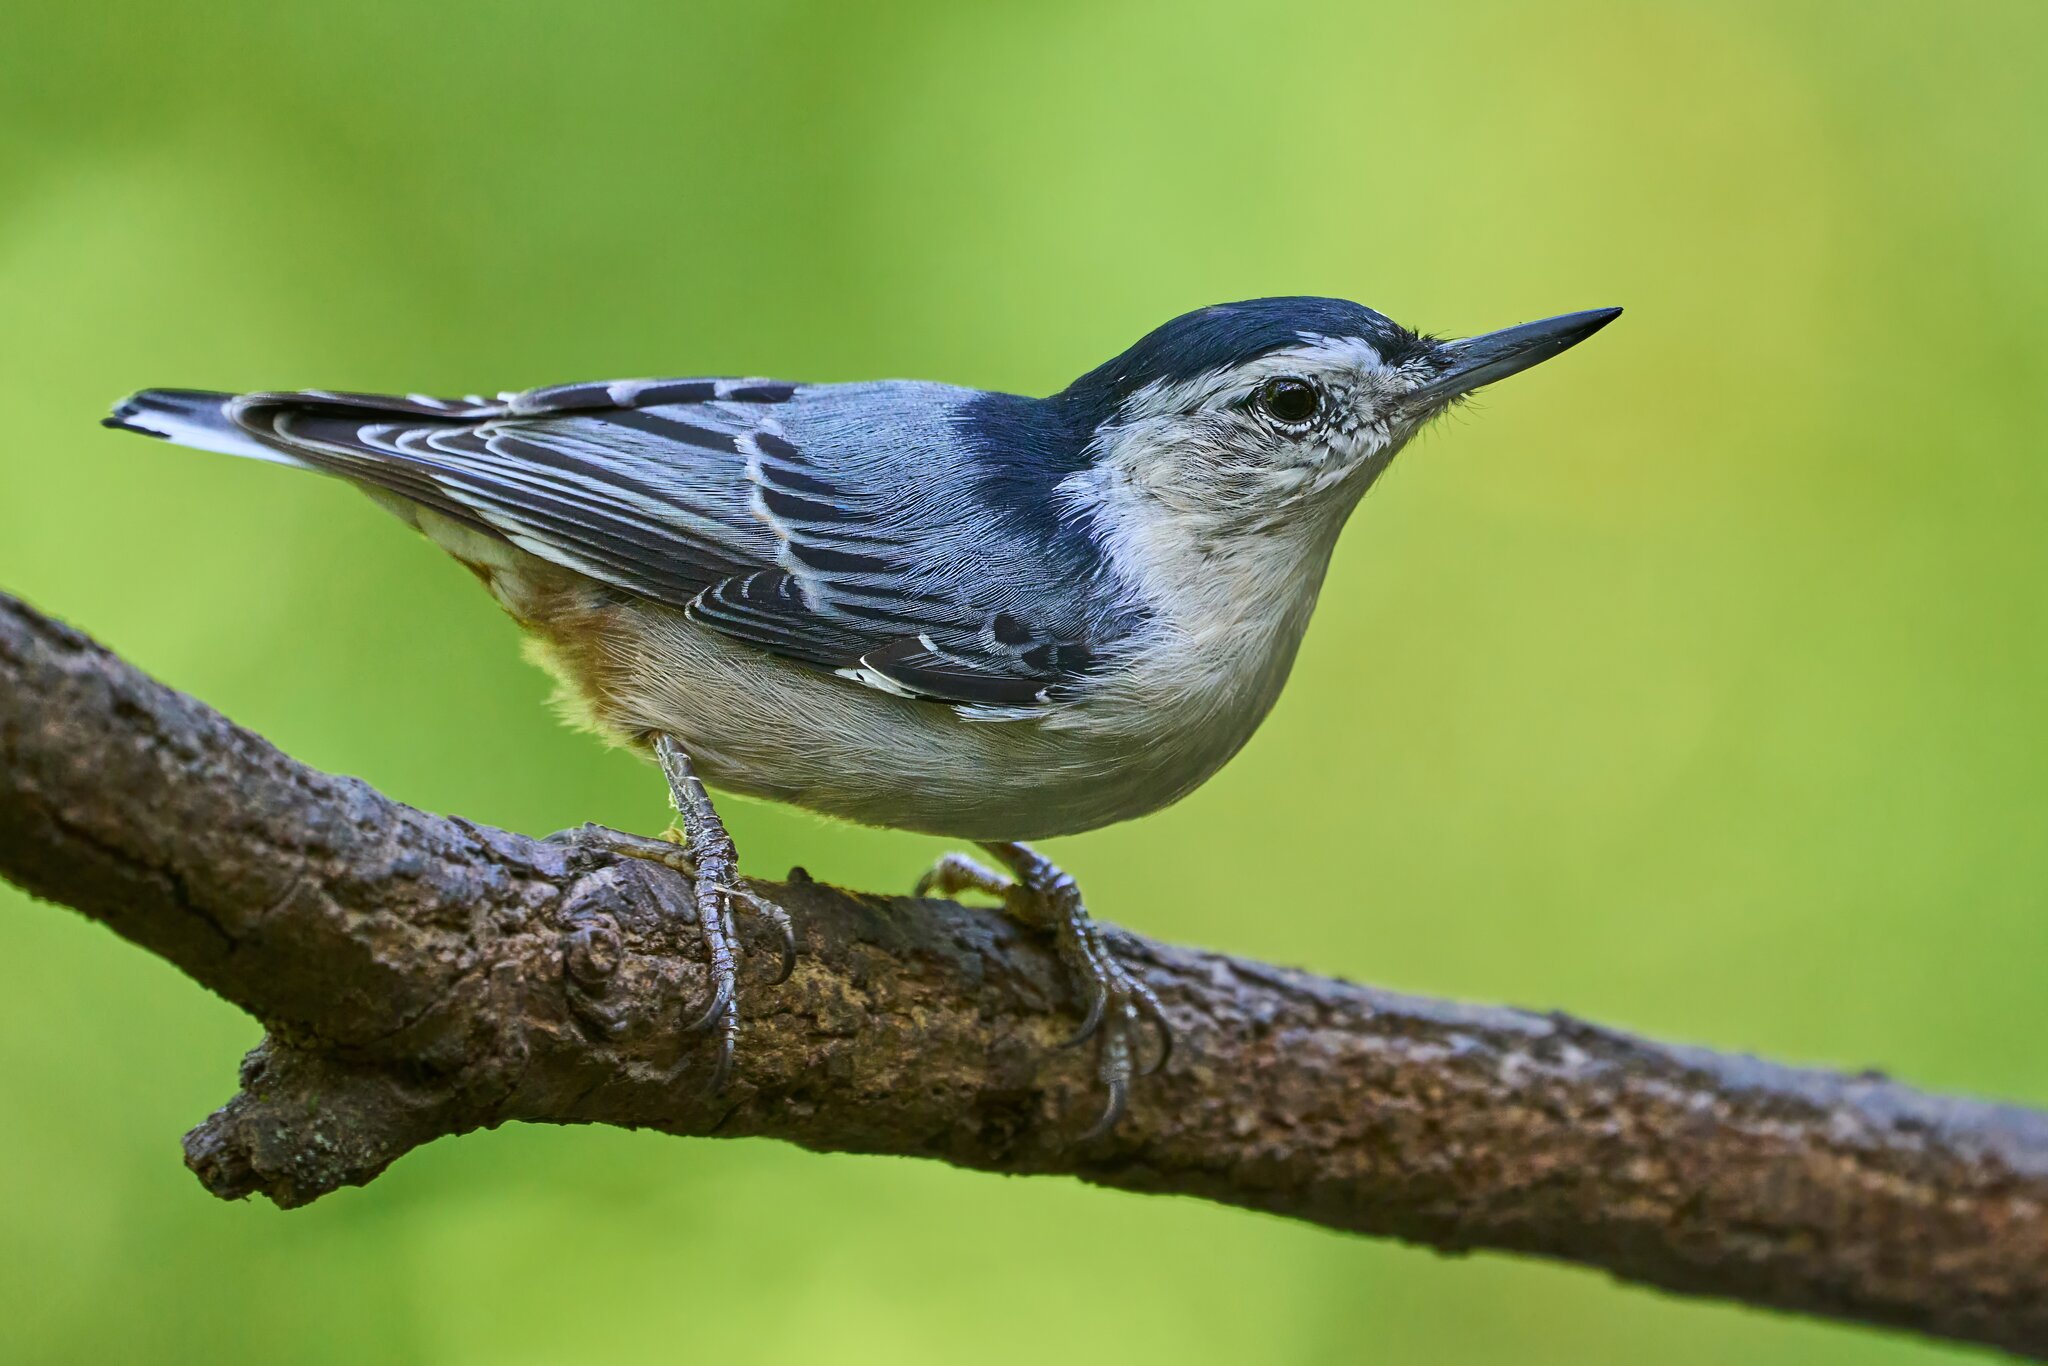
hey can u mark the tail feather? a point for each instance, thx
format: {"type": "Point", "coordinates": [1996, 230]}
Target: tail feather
{"type": "Point", "coordinates": [192, 417]}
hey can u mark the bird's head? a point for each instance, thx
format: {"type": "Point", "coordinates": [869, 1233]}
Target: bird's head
{"type": "Point", "coordinates": [1248, 415]}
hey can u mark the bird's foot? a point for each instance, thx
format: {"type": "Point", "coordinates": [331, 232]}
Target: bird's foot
{"type": "Point", "coordinates": [1120, 1007]}
{"type": "Point", "coordinates": [704, 853]}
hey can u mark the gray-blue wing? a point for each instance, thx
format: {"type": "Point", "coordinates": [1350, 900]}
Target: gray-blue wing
{"type": "Point", "coordinates": [792, 518]}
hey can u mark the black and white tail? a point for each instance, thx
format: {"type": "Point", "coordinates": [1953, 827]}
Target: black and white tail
{"type": "Point", "coordinates": [192, 417]}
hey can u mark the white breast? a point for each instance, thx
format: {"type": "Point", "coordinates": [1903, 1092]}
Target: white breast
{"type": "Point", "coordinates": [1227, 614]}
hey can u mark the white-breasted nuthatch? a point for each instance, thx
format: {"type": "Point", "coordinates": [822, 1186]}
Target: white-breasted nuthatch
{"type": "Point", "coordinates": [905, 604]}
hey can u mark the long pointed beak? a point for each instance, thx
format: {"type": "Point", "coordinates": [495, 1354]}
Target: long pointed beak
{"type": "Point", "coordinates": [1496, 355]}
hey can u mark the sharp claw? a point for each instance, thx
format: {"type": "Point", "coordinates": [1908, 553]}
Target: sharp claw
{"type": "Point", "coordinates": [721, 1071]}
{"type": "Point", "coordinates": [1119, 1093]}
{"type": "Point", "coordinates": [788, 956]}
{"type": "Point", "coordinates": [1165, 1033]}
{"type": "Point", "coordinates": [1162, 1028]}
{"type": "Point", "coordinates": [720, 999]}
{"type": "Point", "coordinates": [1092, 1021]}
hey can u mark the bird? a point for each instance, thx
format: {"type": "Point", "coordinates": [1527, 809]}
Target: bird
{"type": "Point", "coordinates": [972, 614]}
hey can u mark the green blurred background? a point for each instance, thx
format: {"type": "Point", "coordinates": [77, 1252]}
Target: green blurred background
{"type": "Point", "coordinates": [1695, 682]}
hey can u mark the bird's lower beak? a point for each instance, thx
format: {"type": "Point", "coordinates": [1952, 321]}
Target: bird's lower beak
{"type": "Point", "coordinates": [1474, 361]}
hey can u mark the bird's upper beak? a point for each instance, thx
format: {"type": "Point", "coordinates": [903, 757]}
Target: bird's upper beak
{"type": "Point", "coordinates": [1474, 361]}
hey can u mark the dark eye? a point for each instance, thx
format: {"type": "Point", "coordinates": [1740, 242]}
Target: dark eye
{"type": "Point", "coordinates": [1289, 400]}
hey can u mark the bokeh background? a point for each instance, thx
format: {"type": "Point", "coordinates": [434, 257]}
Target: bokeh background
{"type": "Point", "coordinates": [1695, 682]}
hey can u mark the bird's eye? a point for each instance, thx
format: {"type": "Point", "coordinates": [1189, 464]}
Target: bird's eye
{"type": "Point", "coordinates": [1289, 400]}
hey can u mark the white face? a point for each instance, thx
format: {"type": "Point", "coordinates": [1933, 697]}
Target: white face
{"type": "Point", "coordinates": [1257, 444]}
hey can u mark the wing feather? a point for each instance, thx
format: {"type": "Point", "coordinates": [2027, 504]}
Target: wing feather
{"type": "Point", "coordinates": [693, 493]}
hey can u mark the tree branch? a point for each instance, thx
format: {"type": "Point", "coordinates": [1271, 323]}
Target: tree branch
{"type": "Point", "coordinates": [421, 976]}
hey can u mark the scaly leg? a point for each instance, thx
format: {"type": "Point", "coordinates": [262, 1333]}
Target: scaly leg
{"type": "Point", "coordinates": [708, 858]}
{"type": "Point", "coordinates": [1119, 1005]}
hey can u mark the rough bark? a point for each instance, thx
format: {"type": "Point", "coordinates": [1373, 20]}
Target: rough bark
{"type": "Point", "coordinates": [421, 976]}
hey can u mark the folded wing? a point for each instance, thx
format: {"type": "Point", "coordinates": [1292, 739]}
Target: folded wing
{"type": "Point", "coordinates": [699, 494]}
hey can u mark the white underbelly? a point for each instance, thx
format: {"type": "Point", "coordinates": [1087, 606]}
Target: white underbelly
{"type": "Point", "coordinates": [769, 728]}
{"type": "Point", "coordinates": [1142, 735]}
